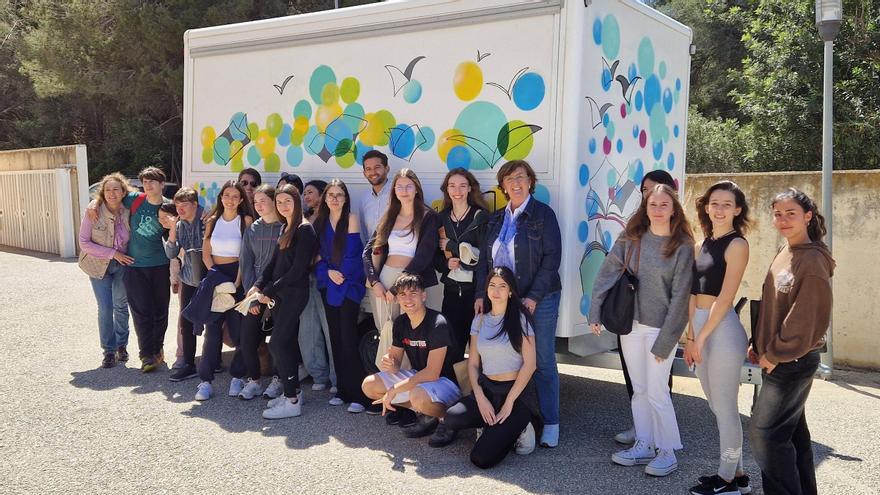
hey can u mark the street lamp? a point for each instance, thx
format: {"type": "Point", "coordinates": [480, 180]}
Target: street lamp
{"type": "Point", "coordinates": [829, 16]}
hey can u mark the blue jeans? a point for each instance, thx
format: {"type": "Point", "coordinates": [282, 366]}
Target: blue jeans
{"type": "Point", "coordinates": [112, 307]}
{"type": "Point", "coordinates": [547, 374]}
{"type": "Point", "coordinates": [314, 339]}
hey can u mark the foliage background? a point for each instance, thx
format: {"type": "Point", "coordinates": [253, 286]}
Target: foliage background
{"type": "Point", "coordinates": [109, 74]}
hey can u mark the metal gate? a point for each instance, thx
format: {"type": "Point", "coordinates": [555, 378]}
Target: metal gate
{"type": "Point", "coordinates": [36, 211]}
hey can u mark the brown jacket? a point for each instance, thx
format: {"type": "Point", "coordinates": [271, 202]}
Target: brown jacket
{"type": "Point", "coordinates": [796, 303]}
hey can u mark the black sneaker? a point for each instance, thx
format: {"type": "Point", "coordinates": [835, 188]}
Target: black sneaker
{"type": "Point", "coordinates": [424, 426]}
{"type": "Point", "coordinates": [122, 354]}
{"type": "Point", "coordinates": [442, 436]}
{"type": "Point", "coordinates": [148, 364]}
{"type": "Point", "coordinates": [742, 482]}
{"type": "Point", "coordinates": [715, 485]}
{"type": "Point", "coordinates": [373, 409]}
{"type": "Point", "coordinates": [109, 360]}
{"type": "Point", "coordinates": [188, 371]}
{"type": "Point", "coordinates": [402, 416]}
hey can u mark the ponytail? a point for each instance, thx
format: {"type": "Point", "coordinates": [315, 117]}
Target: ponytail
{"type": "Point", "coordinates": [816, 228]}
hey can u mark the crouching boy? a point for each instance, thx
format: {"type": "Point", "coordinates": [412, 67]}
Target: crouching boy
{"type": "Point", "coordinates": [429, 388]}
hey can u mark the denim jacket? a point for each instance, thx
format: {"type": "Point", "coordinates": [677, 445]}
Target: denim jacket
{"type": "Point", "coordinates": [537, 251]}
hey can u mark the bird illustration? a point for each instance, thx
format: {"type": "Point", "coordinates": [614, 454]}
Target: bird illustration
{"type": "Point", "coordinates": [283, 84]}
{"type": "Point", "coordinates": [627, 86]}
{"type": "Point", "coordinates": [396, 133]}
{"type": "Point", "coordinates": [491, 154]}
{"type": "Point", "coordinates": [507, 90]}
{"type": "Point", "coordinates": [399, 78]}
{"type": "Point", "coordinates": [597, 112]}
{"type": "Point", "coordinates": [481, 56]}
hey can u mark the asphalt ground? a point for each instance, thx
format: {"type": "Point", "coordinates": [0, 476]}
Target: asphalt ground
{"type": "Point", "coordinates": [67, 426]}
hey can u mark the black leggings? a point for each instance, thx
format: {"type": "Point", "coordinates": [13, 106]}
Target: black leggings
{"type": "Point", "coordinates": [497, 440]}
{"type": "Point", "coordinates": [344, 339]}
{"type": "Point", "coordinates": [626, 378]}
{"type": "Point", "coordinates": [458, 308]}
{"type": "Point", "coordinates": [252, 336]}
{"type": "Point", "coordinates": [284, 344]}
{"type": "Point", "coordinates": [185, 327]}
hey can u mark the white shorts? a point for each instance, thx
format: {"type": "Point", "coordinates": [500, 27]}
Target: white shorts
{"type": "Point", "coordinates": [443, 391]}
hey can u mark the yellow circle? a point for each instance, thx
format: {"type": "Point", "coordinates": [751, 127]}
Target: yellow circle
{"type": "Point", "coordinates": [208, 136]}
{"type": "Point", "coordinates": [265, 143]}
{"type": "Point", "coordinates": [468, 80]}
{"type": "Point", "coordinates": [444, 144]}
{"type": "Point", "coordinates": [327, 114]}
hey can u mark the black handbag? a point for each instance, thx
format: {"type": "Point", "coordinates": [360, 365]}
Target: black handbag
{"type": "Point", "coordinates": [619, 306]}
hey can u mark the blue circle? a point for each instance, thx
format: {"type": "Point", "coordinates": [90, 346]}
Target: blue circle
{"type": "Point", "coordinates": [678, 84]}
{"type": "Point", "coordinates": [586, 300]}
{"type": "Point", "coordinates": [359, 151]}
{"type": "Point", "coordinates": [670, 161]}
{"type": "Point", "coordinates": [652, 93]}
{"type": "Point", "coordinates": [294, 156]}
{"type": "Point", "coordinates": [591, 205]}
{"type": "Point", "coordinates": [632, 72]}
{"type": "Point", "coordinates": [403, 141]}
{"type": "Point", "coordinates": [620, 146]}
{"type": "Point", "coordinates": [597, 31]}
{"type": "Point", "coordinates": [284, 137]}
{"type": "Point", "coordinates": [583, 231]}
{"type": "Point", "coordinates": [675, 130]}
{"type": "Point", "coordinates": [336, 132]}
{"type": "Point", "coordinates": [542, 194]}
{"type": "Point", "coordinates": [606, 240]}
{"type": "Point", "coordinates": [606, 79]}
{"type": "Point", "coordinates": [635, 131]}
{"type": "Point", "coordinates": [302, 109]}
{"type": "Point", "coordinates": [253, 155]}
{"type": "Point", "coordinates": [667, 100]}
{"type": "Point", "coordinates": [459, 156]}
{"type": "Point", "coordinates": [639, 173]}
{"type": "Point", "coordinates": [314, 141]}
{"type": "Point", "coordinates": [606, 120]}
{"type": "Point", "coordinates": [428, 134]}
{"type": "Point", "coordinates": [221, 151]}
{"type": "Point", "coordinates": [412, 91]}
{"type": "Point", "coordinates": [528, 91]}
{"type": "Point", "coordinates": [584, 174]}
{"type": "Point", "coordinates": [592, 145]}
{"type": "Point", "coordinates": [638, 101]}
{"type": "Point", "coordinates": [658, 150]}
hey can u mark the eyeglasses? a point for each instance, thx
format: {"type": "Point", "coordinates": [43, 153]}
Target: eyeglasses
{"type": "Point", "coordinates": [251, 183]}
{"type": "Point", "coordinates": [406, 188]}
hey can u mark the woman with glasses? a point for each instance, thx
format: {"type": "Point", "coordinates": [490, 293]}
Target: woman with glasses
{"type": "Point", "coordinates": [462, 227]}
{"type": "Point", "coordinates": [524, 236]}
{"type": "Point", "coordinates": [250, 180]}
{"type": "Point", "coordinates": [404, 242]}
{"type": "Point", "coordinates": [340, 275]}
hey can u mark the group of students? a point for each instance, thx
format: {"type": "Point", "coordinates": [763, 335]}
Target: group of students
{"type": "Point", "coordinates": [264, 255]}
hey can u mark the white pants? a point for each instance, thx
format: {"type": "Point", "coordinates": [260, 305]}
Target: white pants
{"type": "Point", "coordinates": [653, 414]}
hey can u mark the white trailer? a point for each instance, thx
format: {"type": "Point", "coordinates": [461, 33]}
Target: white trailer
{"type": "Point", "coordinates": [593, 93]}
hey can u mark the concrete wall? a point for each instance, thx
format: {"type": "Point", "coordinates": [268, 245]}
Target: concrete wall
{"type": "Point", "coordinates": [855, 238]}
{"type": "Point", "coordinates": [22, 163]}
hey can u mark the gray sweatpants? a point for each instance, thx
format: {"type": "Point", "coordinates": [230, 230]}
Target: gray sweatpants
{"type": "Point", "coordinates": [719, 375]}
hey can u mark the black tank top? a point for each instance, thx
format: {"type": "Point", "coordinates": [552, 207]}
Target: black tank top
{"type": "Point", "coordinates": [710, 266]}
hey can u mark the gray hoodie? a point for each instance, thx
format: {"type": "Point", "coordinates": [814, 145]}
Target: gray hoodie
{"type": "Point", "coordinates": [257, 247]}
{"type": "Point", "coordinates": [664, 287]}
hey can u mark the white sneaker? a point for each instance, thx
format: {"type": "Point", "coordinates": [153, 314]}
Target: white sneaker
{"type": "Point", "coordinates": [627, 437]}
{"type": "Point", "coordinates": [317, 387]}
{"type": "Point", "coordinates": [640, 453]}
{"type": "Point", "coordinates": [303, 373]}
{"type": "Point", "coordinates": [274, 389]}
{"type": "Point", "coordinates": [281, 398]}
{"type": "Point", "coordinates": [336, 401]}
{"type": "Point", "coordinates": [251, 390]}
{"type": "Point", "coordinates": [284, 409]}
{"type": "Point", "coordinates": [663, 464]}
{"type": "Point", "coordinates": [334, 390]}
{"type": "Point", "coordinates": [204, 391]}
{"type": "Point", "coordinates": [356, 408]}
{"type": "Point", "coordinates": [525, 444]}
{"type": "Point", "coordinates": [235, 386]}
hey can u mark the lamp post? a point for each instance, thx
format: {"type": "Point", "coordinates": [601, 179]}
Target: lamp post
{"type": "Point", "coordinates": [829, 16]}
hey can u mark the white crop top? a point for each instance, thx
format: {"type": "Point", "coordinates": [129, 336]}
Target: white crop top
{"type": "Point", "coordinates": [402, 243]}
{"type": "Point", "coordinates": [226, 238]}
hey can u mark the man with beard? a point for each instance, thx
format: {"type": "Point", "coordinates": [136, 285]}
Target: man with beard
{"type": "Point", "coordinates": [373, 205]}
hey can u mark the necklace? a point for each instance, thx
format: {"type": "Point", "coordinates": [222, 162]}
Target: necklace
{"type": "Point", "coordinates": [458, 218]}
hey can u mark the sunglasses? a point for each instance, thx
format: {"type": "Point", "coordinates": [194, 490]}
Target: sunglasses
{"type": "Point", "coordinates": [251, 183]}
